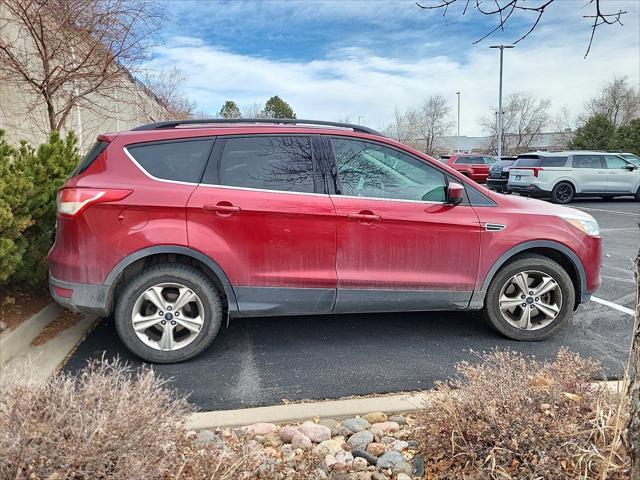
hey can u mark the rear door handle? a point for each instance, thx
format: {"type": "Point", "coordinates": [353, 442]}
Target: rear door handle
{"type": "Point", "coordinates": [364, 217]}
{"type": "Point", "coordinates": [221, 208]}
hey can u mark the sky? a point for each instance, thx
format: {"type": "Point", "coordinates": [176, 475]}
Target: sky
{"type": "Point", "coordinates": [360, 60]}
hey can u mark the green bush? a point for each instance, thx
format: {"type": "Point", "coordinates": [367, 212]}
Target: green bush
{"type": "Point", "coordinates": [29, 180]}
{"type": "Point", "coordinates": [597, 134]}
{"type": "Point", "coordinates": [627, 138]}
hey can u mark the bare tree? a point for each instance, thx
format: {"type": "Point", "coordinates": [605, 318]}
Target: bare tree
{"type": "Point", "coordinates": [252, 111]}
{"type": "Point", "coordinates": [67, 53]}
{"type": "Point", "coordinates": [618, 101]}
{"type": "Point", "coordinates": [524, 117]}
{"type": "Point", "coordinates": [504, 10]}
{"type": "Point", "coordinates": [633, 425]}
{"type": "Point", "coordinates": [421, 128]}
{"type": "Point", "coordinates": [167, 86]}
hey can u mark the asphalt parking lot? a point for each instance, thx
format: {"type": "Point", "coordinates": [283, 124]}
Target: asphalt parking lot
{"type": "Point", "coordinates": [265, 360]}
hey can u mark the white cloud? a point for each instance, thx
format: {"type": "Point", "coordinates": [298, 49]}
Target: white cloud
{"type": "Point", "coordinates": [353, 82]}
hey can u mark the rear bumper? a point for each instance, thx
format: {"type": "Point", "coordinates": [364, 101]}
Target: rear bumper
{"type": "Point", "coordinates": [81, 297]}
{"type": "Point", "coordinates": [497, 183]}
{"type": "Point", "coordinates": [533, 190]}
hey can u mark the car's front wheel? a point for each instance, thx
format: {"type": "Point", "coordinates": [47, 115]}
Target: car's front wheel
{"type": "Point", "coordinates": [168, 313]}
{"type": "Point", "coordinates": [530, 298]}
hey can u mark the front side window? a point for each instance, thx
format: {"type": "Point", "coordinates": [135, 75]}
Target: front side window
{"type": "Point", "coordinates": [371, 170]}
{"type": "Point", "coordinates": [587, 161]}
{"type": "Point", "coordinates": [615, 162]}
{"type": "Point", "coordinates": [282, 163]}
{"type": "Point", "coordinates": [181, 161]}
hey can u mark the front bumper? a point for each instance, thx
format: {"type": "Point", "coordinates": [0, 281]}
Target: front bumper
{"type": "Point", "coordinates": [81, 297]}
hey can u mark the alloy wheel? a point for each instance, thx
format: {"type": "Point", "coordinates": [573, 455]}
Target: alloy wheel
{"type": "Point", "coordinates": [564, 192]}
{"type": "Point", "coordinates": [530, 300]}
{"type": "Point", "coordinates": [168, 316]}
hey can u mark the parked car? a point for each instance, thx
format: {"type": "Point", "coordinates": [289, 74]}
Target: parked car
{"type": "Point", "coordinates": [474, 166]}
{"type": "Point", "coordinates": [499, 174]}
{"type": "Point", "coordinates": [178, 226]}
{"type": "Point", "coordinates": [565, 175]}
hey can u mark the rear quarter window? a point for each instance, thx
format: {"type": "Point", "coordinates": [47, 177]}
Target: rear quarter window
{"type": "Point", "coordinates": [89, 157]}
{"type": "Point", "coordinates": [527, 162]}
{"type": "Point", "coordinates": [179, 161]}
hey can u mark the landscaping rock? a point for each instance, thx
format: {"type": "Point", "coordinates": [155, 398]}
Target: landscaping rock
{"type": "Point", "coordinates": [301, 441]}
{"type": "Point", "coordinates": [329, 422]}
{"type": "Point", "coordinates": [272, 440]}
{"type": "Point", "coordinates": [413, 444]}
{"type": "Point", "coordinates": [356, 424]}
{"type": "Point", "coordinates": [260, 428]}
{"type": "Point", "coordinates": [330, 461]}
{"type": "Point", "coordinates": [287, 433]}
{"type": "Point", "coordinates": [339, 467]}
{"type": "Point", "coordinates": [361, 476]}
{"type": "Point", "coordinates": [344, 457]}
{"type": "Point", "coordinates": [360, 464]}
{"type": "Point", "coordinates": [316, 433]}
{"type": "Point", "coordinates": [207, 438]}
{"type": "Point", "coordinates": [340, 431]}
{"type": "Point", "coordinates": [370, 458]}
{"type": "Point", "coordinates": [386, 427]}
{"type": "Point", "coordinates": [389, 459]}
{"type": "Point", "coordinates": [403, 476]}
{"type": "Point", "coordinates": [360, 440]}
{"type": "Point", "coordinates": [329, 447]}
{"type": "Point", "coordinates": [376, 449]}
{"type": "Point", "coordinates": [418, 465]}
{"type": "Point", "coordinates": [399, 419]}
{"type": "Point", "coordinates": [400, 445]}
{"type": "Point", "coordinates": [378, 476]}
{"type": "Point", "coordinates": [375, 417]}
{"type": "Point", "coordinates": [388, 440]}
{"type": "Point", "coordinates": [402, 467]}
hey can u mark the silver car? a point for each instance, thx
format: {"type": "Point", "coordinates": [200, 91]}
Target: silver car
{"type": "Point", "coordinates": [565, 175]}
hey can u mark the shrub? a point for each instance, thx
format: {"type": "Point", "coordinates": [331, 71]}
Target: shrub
{"type": "Point", "coordinates": [597, 134]}
{"type": "Point", "coordinates": [627, 138]}
{"type": "Point", "coordinates": [15, 217]}
{"type": "Point", "coordinates": [513, 417]}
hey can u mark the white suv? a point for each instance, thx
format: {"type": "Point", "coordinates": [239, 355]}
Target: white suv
{"type": "Point", "coordinates": [564, 175]}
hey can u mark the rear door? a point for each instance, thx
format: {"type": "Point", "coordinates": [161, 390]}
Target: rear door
{"type": "Point", "coordinates": [620, 179]}
{"type": "Point", "coordinates": [400, 247]}
{"type": "Point", "coordinates": [590, 173]}
{"type": "Point", "coordinates": [259, 215]}
{"type": "Point", "coordinates": [524, 171]}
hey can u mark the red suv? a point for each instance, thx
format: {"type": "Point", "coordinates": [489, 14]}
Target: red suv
{"type": "Point", "coordinates": [176, 227]}
{"type": "Point", "coordinates": [474, 166]}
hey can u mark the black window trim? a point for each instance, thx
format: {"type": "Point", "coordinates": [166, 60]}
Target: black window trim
{"type": "Point", "coordinates": [125, 149]}
{"type": "Point", "coordinates": [448, 177]}
{"type": "Point", "coordinates": [216, 158]}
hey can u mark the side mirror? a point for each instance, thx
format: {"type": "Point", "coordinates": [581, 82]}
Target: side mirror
{"type": "Point", "coordinates": [455, 193]}
{"type": "Point", "coordinates": [631, 168]}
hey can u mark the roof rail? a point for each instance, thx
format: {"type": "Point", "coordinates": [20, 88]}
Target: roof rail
{"type": "Point", "coordinates": [282, 121]}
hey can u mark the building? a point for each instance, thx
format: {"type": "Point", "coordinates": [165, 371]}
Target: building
{"type": "Point", "coordinates": [548, 141]}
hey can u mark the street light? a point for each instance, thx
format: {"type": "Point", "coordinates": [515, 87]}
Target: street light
{"type": "Point", "coordinates": [458, 94]}
{"type": "Point", "coordinates": [501, 47]}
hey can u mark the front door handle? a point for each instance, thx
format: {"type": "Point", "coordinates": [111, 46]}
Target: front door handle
{"type": "Point", "coordinates": [364, 216]}
{"type": "Point", "coordinates": [222, 208]}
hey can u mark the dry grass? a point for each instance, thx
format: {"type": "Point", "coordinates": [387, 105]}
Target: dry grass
{"type": "Point", "coordinates": [510, 417]}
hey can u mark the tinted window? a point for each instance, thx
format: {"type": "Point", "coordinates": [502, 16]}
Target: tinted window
{"type": "Point", "coordinates": [587, 161]}
{"type": "Point", "coordinates": [271, 163]}
{"type": "Point", "coordinates": [372, 170]}
{"type": "Point", "coordinates": [613, 161]}
{"type": "Point", "coordinates": [527, 162]}
{"type": "Point", "coordinates": [553, 161]}
{"type": "Point", "coordinates": [632, 158]}
{"type": "Point", "coordinates": [89, 157]}
{"type": "Point", "coordinates": [179, 161]}
{"type": "Point", "coordinates": [469, 161]}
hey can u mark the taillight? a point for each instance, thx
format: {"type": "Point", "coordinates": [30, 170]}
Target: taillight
{"type": "Point", "coordinates": [536, 170]}
{"type": "Point", "coordinates": [73, 201]}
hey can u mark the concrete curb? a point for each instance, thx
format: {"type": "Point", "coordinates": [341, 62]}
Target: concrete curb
{"type": "Point", "coordinates": [46, 359]}
{"type": "Point", "coordinates": [336, 409]}
{"type": "Point", "coordinates": [298, 412]}
{"type": "Point", "coordinates": [13, 342]}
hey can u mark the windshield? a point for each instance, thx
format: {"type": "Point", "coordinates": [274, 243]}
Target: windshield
{"type": "Point", "coordinates": [632, 158]}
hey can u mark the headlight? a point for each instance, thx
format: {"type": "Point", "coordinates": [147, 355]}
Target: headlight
{"type": "Point", "coordinates": [587, 225]}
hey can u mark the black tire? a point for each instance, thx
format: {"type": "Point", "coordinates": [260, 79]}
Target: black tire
{"type": "Point", "coordinates": [638, 195]}
{"type": "Point", "coordinates": [185, 275]}
{"type": "Point", "coordinates": [563, 193]}
{"type": "Point", "coordinates": [529, 262]}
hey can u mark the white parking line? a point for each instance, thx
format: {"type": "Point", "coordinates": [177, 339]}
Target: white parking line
{"type": "Point", "coordinates": [607, 303]}
{"type": "Point", "coordinates": [609, 211]}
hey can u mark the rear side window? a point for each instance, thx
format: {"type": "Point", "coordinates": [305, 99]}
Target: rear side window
{"type": "Point", "coordinates": [270, 163]}
{"type": "Point", "coordinates": [89, 157]}
{"type": "Point", "coordinates": [553, 161]}
{"type": "Point", "coordinates": [529, 161]}
{"type": "Point", "coordinates": [587, 161]}
{"type": "Point", "coordinates": [181, 161]}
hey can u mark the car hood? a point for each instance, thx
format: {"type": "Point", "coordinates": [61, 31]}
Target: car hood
{"type": "Point", "coordinates": [540, 207]}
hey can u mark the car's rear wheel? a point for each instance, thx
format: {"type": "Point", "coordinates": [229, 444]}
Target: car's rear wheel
{"type": "Point", "coordinates": [168, 313]}
{"type": "Point", "coordinates": [638, 195]}
{"type": "Point", "coordinates": [530, 298]}
{"type": "Point", "coordinates": [562, 193]}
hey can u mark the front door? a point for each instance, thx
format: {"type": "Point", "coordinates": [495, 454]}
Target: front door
{"type": "Point", "coordinates": [620, 179]}
{"type": "Point", "coordinates": [400, 247]}
{"type": "Point", "coordinates": [257, 214]}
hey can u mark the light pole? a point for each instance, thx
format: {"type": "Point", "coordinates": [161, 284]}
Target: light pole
{"type": "Point", "coordinates": [501, 47]}
{"type": "Point", "coordinates": [458, 94]}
